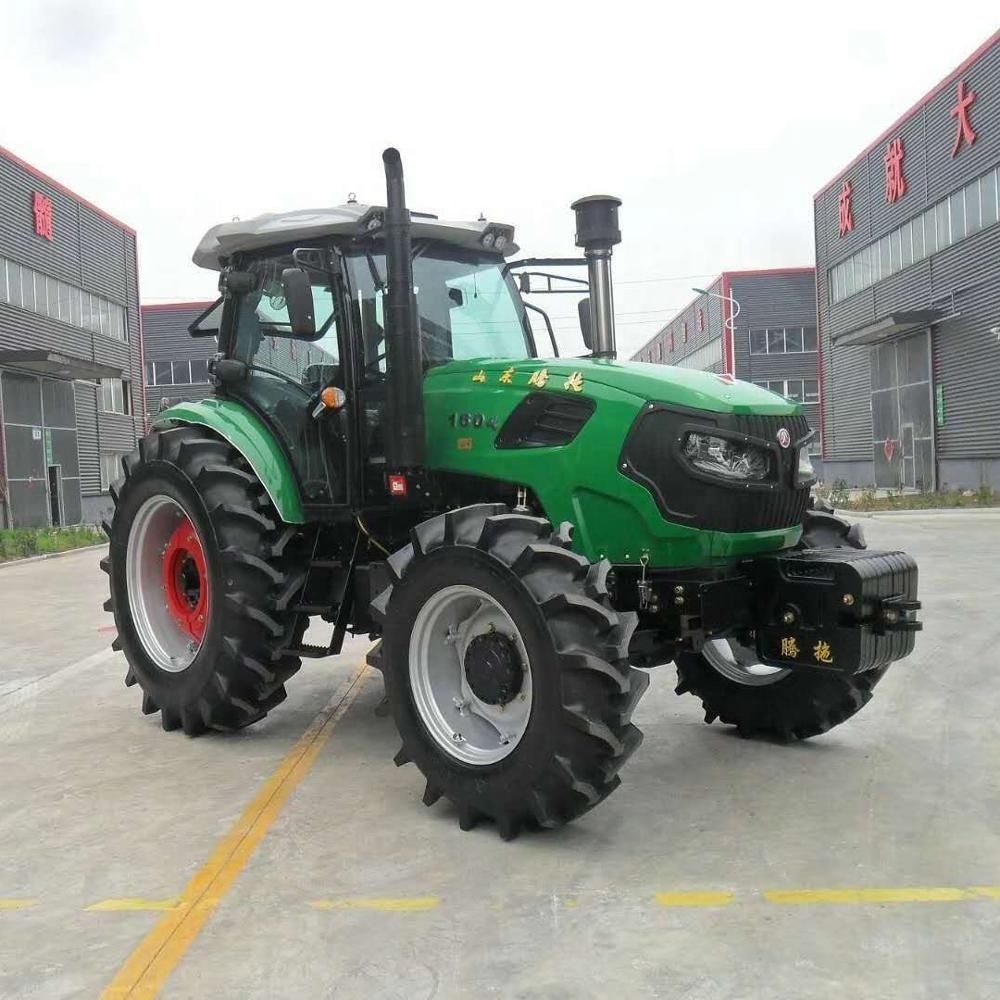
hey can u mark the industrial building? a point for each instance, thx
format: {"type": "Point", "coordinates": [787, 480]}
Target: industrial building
{"type": "Point", "coordinates": [758, 326]}
{"type": "Point", "coordinates": [908, 292]}
{"type": "Point", "coordinates": [176, 362]}
{"type": "Point", "coordinates": [71, 394]}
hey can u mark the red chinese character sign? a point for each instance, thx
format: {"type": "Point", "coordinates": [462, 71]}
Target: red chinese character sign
{"type": "Point", "coordinates": [895, 182]}
{"type": "Point", "coordinates": [42, 207]}
{"type": "Point", "coordinates": [846, 215]}
{"type": "Point", "coordinates": [960, 112]}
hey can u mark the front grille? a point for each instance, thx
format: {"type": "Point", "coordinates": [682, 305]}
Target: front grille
{"type": "Point", "coordinates": [652, 456]}
{"type": "Point", "coordinates": [544, 420]}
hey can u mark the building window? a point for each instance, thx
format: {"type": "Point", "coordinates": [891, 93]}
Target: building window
{"type": "Point", "coordinates": [111, 468]}
{"type": "Point", "coordinates": [671, 341]}
{"type": "Point", "coordinates": [114, 396]}
{"type": "Point", "coordinates": [34, 291]}
{"type": "Point", "coordinates": [961, 214]}
{"type": "Point", "coordinates": [802, 390]}
{"type": "Point", "coordinates": [783, 340]}
{"type": "Point", "coordinates": [684, 330]}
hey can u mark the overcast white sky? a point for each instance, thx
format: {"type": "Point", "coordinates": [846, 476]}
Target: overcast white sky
{"type": "Point", "coordinates": [714, 122]}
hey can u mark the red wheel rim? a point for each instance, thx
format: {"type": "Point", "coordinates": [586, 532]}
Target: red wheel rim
{"type": "Point", "coordinates": [185, 579]}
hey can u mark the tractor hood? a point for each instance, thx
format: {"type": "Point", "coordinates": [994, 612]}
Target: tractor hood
{"type": "Point", "coordinates": [685, 387]}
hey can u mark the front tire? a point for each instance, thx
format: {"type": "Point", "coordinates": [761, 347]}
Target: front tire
{"type": "Point", "coordinates": [202, 581]}
{"type": "Point", "coordinates": [771, 702]}
{"type": "Point", "coordinates": [506, 669]}
{"type": "Point", "coordinates": [777, 702]}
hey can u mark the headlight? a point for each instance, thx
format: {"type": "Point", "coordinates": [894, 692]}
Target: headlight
{"type": "Point", "coordinates": [804, 472]}
{"type": "Point", "coordinates": [729, 459]}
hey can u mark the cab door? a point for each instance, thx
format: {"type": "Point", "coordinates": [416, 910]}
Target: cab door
{"type": "Point", "coordinates": [285, 375]}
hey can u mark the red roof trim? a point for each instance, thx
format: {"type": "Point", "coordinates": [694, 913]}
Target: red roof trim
{"type": "Point", "coordinates": [178, 305]}
{"type": "Point", "coordinates": [53, 183]}
{"type": "Point", "coordinates": [774, 272]}
{"type": "Point", "coordinates": [927, 98]}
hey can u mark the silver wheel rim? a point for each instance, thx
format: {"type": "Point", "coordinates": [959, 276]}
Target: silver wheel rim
{"type": "Point", "coordinates": [465, 727]}
{"type": "Point", "coordinates": [164, 640]}
{"type": "Point", "coordinates": [740, 663]}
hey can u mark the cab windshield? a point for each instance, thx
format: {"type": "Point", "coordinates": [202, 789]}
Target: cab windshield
{"type": "Point", "coordinates": [468, 306]}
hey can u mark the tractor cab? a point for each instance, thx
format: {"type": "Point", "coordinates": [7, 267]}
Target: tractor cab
{"type": "Point", "coordinates": [302, 318]}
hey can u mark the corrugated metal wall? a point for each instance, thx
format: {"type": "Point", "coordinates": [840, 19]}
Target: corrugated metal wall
{"type": "Point", "coordinates": [96, 254]}
{"type": "Point", "coordinates": [166, 338]}
{"type": "Point", "coordinates": [657, 348]}
{"type": "Point", "coordinates": [965, 276]}
{"type": "Point", "coordinates": [967, 347]}
{"type": "Point", "coordinates": [775, 300]}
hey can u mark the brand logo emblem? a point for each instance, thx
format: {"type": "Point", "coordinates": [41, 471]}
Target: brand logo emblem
{"type": "Point", "coordinates": [784, 438]}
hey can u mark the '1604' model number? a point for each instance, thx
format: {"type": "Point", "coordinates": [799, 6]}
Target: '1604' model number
{"type": "Point", "coordinates": [472, 420]}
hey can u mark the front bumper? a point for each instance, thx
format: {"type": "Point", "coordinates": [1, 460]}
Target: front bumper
{"type": "Point", "coordinates": [835, 609]}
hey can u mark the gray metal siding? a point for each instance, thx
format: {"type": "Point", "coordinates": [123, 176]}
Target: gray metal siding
{"type": "Point", "coordinates": [965, 276]}
{"type": "Point", "coordinates": [773, 300]}
{"type": "Point", "coordinates": [946, 172]}
{"type": "Point", "coordinates": [175, 394]}
{"type": "Point", "coordinates": [60, 256]}
{"type": "Point", "coordinates": [166, 338]}
{"type": "Point", "coordinates": [88, 438]}
{"type": "Point", "coordinates": [22, 329]}
{"type": "Point", "coordinates": [92, 252]}
{"type": "Point", "coordinates": [967, 347]}
{"type": "Point", "coordinates": [103, 263]}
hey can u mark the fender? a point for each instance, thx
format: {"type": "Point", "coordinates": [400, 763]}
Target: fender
{"type": "Point", "coordinates": [249, 435]}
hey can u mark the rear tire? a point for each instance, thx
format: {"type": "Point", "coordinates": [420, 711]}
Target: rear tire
{"type": "Point", "coordinates": [202, 580]}
{"type": "Point", "coordinates": [537, 648]}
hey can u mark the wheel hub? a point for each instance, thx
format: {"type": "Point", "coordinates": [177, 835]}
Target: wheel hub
{"type": "Point", "coordinates": [470, 675]}
{"type": "Point", "coordinates": [493, 668]}
{"type": "Point", "coordinates": [185, 579]}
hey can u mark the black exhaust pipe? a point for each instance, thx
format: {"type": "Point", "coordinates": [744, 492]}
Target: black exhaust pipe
{"type": "Point", "coordinates": [404, 438]}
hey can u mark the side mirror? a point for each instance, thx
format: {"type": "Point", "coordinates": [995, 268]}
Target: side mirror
{"type": "Point", "coordinates": [299, 301]}
{"type": "Point", "coordinates": [583, 308]}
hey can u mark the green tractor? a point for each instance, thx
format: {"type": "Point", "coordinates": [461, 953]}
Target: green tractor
{"type": "Point", "coordinates": [388, 452]}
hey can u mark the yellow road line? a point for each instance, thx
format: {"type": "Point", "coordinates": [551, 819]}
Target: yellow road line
{"type": "Point", "coordinates": [405, 904]}
{"type": "Point", "coordinates": [939, 894]}
{"type": "Point", "coordinates": [694, 898]}
{"type": "Point", "coordinates": [17, 904]}
{"type": "Point", "coordinates": [113, 905]}
{"type": "Point", "coordinates": [148, 967]}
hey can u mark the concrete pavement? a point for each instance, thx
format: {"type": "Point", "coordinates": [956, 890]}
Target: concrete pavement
{"type": "Point", "coordinates": [682, 884]}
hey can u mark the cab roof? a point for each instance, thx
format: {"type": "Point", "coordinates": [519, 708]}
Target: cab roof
{"type": "Point", "coordinates": [352, 219]}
